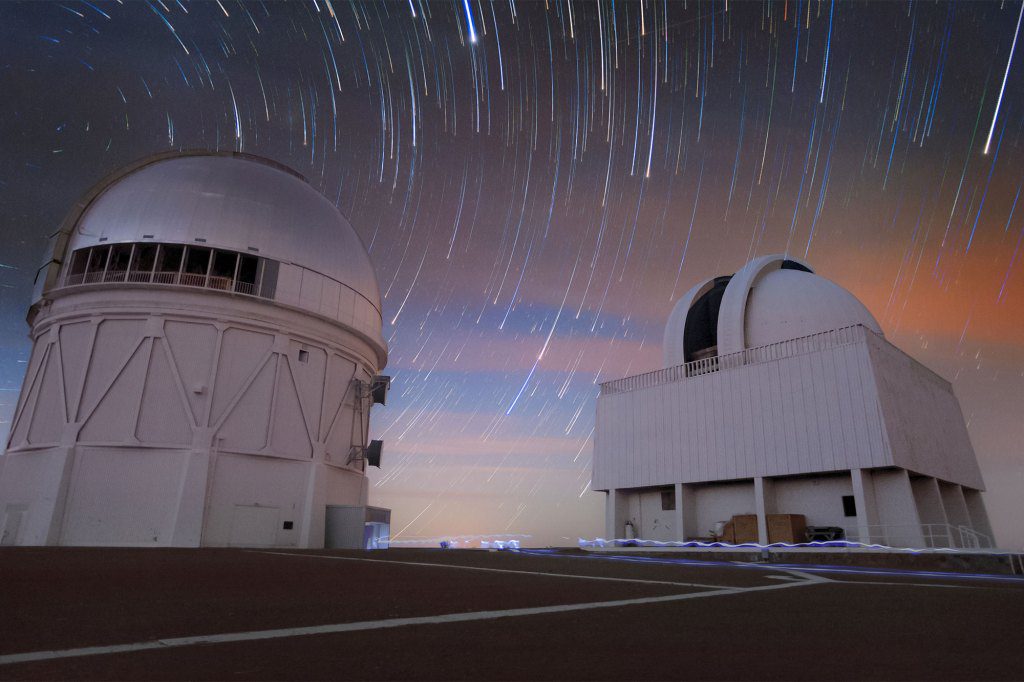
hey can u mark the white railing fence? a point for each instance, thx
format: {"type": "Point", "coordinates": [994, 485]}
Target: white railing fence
{"type": "Point", "coordinates": [921, 536]}
{"type": "Point", "coordinates": [177, 278]}
{"type": "Point", "coordinates": [751, 356]}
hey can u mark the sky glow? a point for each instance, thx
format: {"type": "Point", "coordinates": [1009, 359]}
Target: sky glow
{"type": "Point", "coordinates": [538, 182]}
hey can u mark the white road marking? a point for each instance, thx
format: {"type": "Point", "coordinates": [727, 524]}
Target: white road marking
{"type": "Point", "coordinates": [503, 570]}
{"type": "Point", "coordinates": [257, 635]}
{"type": "Point", "coordinates": [878, 582]}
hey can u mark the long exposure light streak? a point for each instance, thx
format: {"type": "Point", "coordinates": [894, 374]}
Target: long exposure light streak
{"type": "Point", "coordinates": [1006, 74]}
{"type": "Point", "coordinates": [537, 183]}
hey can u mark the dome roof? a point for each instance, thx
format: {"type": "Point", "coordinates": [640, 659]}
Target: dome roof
{"type": "Point", "coordinates": [770, 299]}
{"type": "Point", "coordinates": [231, 201]}
{"type": "Point", "coordinates": [788, 304]}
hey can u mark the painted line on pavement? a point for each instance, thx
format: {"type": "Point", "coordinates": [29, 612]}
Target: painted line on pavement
{"type": "Point", "coordinates": [506, 570]}
{"type": "Point", "coordinates": [257, 635]}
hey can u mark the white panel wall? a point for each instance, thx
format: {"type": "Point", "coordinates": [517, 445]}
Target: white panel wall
{"type": "Point", "coordinates": [129, 417]}
{"type": "Point", "coordinates": [814, 412]}
{"type": "Point", "coordinates": [819, 498]}
{"type": "Point", "coordinates": [27, 488]}
{"type": "Point", "coordinates": [720, 502]}
{"type": "Point", "coordinates": [289, 284]}
{"type": "Point", "coordinates": [897, 509]}
{"type": "Point", "coordinates": [655, 523]}
{"type": "Point", "coordinates": [317, 293]}
{"type": "Point", "coordinates": [123, 497]}
{"type": "Point", "coordinates": [925, 427]}
{"type": "Point", "coordinates": [242, 487]}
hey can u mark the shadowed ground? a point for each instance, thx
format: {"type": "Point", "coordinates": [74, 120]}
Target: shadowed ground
{"type": "Point", "coordinates": [493, 615]}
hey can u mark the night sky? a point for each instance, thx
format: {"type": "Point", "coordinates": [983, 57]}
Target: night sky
{"type": "Point", "coordinates": [538, 182]}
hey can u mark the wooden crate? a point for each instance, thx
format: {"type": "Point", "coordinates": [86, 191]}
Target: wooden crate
{"type": "Point", "coordinates": [745, 528]}
{"type": "Point", "coordinates": [788, 528]}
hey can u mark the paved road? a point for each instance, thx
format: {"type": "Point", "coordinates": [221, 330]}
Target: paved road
{"type": "Point", "coordinates": [429, 614]}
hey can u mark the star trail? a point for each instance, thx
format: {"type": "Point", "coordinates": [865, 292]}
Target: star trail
{"type": "Point", "coordinates": [537, 182]}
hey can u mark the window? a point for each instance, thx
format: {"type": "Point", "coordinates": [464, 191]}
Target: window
{"type": "Point", "coordinates": [668, 500]}
{"type": "Point", "coordinates": [168, 262]}
{"type": "Point", "coordinates": [198, 261]}
{"type": "Point", "coordinates": [248, 271]}
{"type": "Point", "coordinates": [197, 266]}
{"type": "Point", "coordinates": [78, 262]}
{"type": "Point", "coordinates": [120, 255]}
{"type": "Point", "coordinates": [303, 356]}
{"type": "Point", "coordinates": [142, 262]}
{"type": "Point", "coordinates": [97, 264]}
{"type": "Point", "coordinates": [222, 273]}
{"type": "Point", "coordinates": [849, 505]}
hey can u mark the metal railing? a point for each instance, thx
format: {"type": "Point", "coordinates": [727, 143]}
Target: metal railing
{"type": "Point", "coordinates": [923, 535]}
{"type": "Point", "coordinates": [175, 278]}
{"type": "Point", "coordinates": [751, 356]}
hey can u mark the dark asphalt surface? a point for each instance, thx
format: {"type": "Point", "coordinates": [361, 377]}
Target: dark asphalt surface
{"type": "Point", "coordinates": [852, 626]}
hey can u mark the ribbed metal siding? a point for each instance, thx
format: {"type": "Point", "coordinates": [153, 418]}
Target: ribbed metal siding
{"type": "Point", "coordinates": [815, 411]}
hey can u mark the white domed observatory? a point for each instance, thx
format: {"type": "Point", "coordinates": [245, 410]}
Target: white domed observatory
{"type": "Point", "coordinates": [207, 348]}
{"type": "Point", "coordinates": [783, 414]}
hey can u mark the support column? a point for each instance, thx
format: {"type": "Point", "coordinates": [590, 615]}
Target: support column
{"type": "Point", "coordinates": [897, 509]}
{"type": "Point", "coordinates": [977, 513]}
{"type": "Point", "coordinates": [609, 514]}
{"type": "Point", "coordinates": [930, 511]}
{"type": "Point", "coordinates": [867, 507]}
{"type": "Point", "coordinates": [615, 509]}
{"type": "Point", "coordinates": [188, 518]}
{"type": "Point", "coordinates": [953, 504]}
{"type": "Point", "coordinates": [680, 516]}
{"type": "Point", "coordinates": [314, 510]}
{"type": "Point", "coordinates": [56, 500]}
{"type": "Point", "coordinates": [764, 503]}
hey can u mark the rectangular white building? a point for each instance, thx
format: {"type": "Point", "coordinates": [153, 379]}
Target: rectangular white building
{"type": "Point", "coordinates": [791, 427]}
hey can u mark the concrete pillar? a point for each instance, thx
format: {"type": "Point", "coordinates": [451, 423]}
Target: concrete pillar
{"type": "Point", "coordinates": [56, 501]}
{"type": "Point", "coordinates": [616, 508]}
{"type": "Point", "coordinates": [897, 509]}
{"type": "Point", "coordinates": [867, 507]}
{"type": "Point", "coordinates": [188, 519]}
{"type": "Point", "coordinates": [977, 513]}
{"type": "Point", "coordinates": [956, 511]}
{"type": "Point", "coordinates": [609, 514]}
{"type": "Point", "coordinates": [314, 512]}
{"type": "Point", "coordinates": [680, 515]}
{"type": "Point", "coordinates": [930, 510]}
{"type": "Point", "coordinates": [764, 503]}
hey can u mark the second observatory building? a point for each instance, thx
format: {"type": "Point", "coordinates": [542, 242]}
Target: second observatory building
{"type": "Point", "coordinates": [207, 342]}
{"type": "Point", "coordinates": [781, 405]}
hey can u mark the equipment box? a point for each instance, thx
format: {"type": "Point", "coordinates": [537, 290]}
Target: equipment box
{"type": "Point", "coordinates": [787, 528]}
{"type": "Point", "coordinates": [354, 527]}
{"type": "Point", "coordinates": [745, 528]}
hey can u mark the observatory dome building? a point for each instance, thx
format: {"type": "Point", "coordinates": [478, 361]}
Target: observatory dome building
{"type": "Point", "coordinates": [207, 343]}
{"type": "Point", "coordinates": [782, 414]}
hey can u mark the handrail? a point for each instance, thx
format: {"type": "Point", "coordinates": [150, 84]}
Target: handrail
{"type": "Point", "coordinates": [751, 356]}
{"type": "Point", "coordinates": [931, 534]}
{"type": "Point", "coordinates": [171, 277]}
